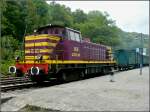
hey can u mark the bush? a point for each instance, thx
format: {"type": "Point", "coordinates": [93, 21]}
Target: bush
{"type": "Point", "coordinates": [5, 66]}
{"type": "Point", "coordinates": [8, 47]}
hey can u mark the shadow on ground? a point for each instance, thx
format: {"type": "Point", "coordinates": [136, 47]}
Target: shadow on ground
{"type": "Point", "coordinates": [3, 100]}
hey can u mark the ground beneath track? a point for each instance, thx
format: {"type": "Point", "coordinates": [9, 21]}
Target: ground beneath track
{"type": "Point", "coordinates": [129, 92]}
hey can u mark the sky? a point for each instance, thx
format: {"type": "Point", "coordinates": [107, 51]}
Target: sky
{"type": "Point", "coordinates": [130, 16]}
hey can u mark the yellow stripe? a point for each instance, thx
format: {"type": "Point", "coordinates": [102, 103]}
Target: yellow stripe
{"type": "Point", "coordinates": [40, 50]}
{"type": "Point", "coordinates": [42, 37]}
{"type": "Point", "coordinates": [77, 62]}
{"type": "Point", "coordinates": [49, 36]}
{"type": "Point", "coordinates": [71, 62]}
{"type": "Point", "coordinates": [32, 57]}
{"type": "Point", "coordinates": [40, 44]}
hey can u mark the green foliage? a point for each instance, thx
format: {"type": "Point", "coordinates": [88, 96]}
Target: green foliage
{"type": "Point", "coordinates": [22, 17]}
{"type": "Point", "coordinates": [13, 20]}
{"type": "Point", "coordinates": [42, 10]}
{"type": "Point", "coordinates": [79, 16]}
{"type": "Point", "coordinates": [132, 40]}
{"type": "Point", "coordinates": [60, 15]}
{"type": "Point", "coordinates": [99, 29]}
{"type": "Point", "coordinates": [31, 108]}
{"type": "Point", "coordinates": [5, 65]}
{"type": "Point", "coordinates": [9, 42]}
{"type": "Point", "coordinates": [31, 17]}
{"type": "Point", "coordinates": [8, 47]}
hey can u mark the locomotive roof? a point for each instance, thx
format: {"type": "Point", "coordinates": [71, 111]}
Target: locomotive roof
{"type": "Point", "coordinates": [60, 26]}
{"type": "Point", "coordinates": [49, 26]}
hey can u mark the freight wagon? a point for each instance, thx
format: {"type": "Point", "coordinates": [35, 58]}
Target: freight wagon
{"type": "Point", "coordinates": [129, 59]}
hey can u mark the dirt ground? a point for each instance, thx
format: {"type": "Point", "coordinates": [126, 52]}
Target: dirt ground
{"type": "Point", "coordinates": [128, 92]}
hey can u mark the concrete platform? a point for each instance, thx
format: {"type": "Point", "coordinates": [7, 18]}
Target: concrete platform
{"type": "Point", "coordinates": [129, 92]}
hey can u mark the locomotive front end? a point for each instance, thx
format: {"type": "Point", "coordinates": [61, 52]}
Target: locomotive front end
{"type": "Point", "coordinates": [38, 49]}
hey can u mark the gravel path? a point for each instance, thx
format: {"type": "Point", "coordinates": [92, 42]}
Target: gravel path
{"type": "Point", "coordinates": [129, 92]}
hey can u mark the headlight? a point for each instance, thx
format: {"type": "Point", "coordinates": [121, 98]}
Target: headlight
{"type": "Point", "coordinates": [12, 69]}
{"type": "Point", "coordinates": [35, 70]}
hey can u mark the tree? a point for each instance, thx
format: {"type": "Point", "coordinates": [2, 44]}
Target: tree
{"type": "Point", "coordinates": [31, 17]}
{"type": "Point", "coordinates": [8, 46]}
{"type": "Point", "coordinates": [3, 18]}
{"type": "Point", "coordinates": [99, 28]}
{"type": "Point", "coordinates": [60, 15]}
{"type": "Point", "coordinates": [79, 16]}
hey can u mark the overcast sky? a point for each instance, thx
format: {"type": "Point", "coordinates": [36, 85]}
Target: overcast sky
{"type": "Point", "coordinates": [131, 16]}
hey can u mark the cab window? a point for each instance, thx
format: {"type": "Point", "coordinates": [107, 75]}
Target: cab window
{"type": "Point", "coordinates": [72, 35]}
{"type": "Point", "coordinates": [77, 36]}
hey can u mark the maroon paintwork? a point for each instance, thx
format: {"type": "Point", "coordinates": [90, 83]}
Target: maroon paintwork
{"type": "Point", "coordinates": [67, 49]}
{"type": "Point", "coordinates": [73, 50]}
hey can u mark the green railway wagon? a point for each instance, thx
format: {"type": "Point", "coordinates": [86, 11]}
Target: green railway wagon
{"type": "Point", "coordinates": [127, 59]}
{"type": "Point", "coordinates": [145, 60]}
{"type": "Point", "coordinates": [121, 58]}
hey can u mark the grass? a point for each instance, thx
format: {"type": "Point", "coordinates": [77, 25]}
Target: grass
{"type": "Point", "coordinates": [31, 108]}
{"type": "Point", "coordinates": [5, 66]}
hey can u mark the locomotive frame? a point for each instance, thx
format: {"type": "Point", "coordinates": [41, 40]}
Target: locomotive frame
{"type": "Point", "coordinates": [62, 55]}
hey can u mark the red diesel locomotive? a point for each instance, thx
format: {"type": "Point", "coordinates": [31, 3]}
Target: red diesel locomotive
{"type": "Point", "coordinates": [55, 51]}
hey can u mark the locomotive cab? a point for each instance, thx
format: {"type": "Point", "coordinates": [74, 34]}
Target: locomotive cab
{"type": "Point", "coordinates": [63, 32]}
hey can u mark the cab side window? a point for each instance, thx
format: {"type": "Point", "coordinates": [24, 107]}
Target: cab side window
{"type": "Point", "coordinates": [72, 35]}
{"type": "Point", "coordinates": [77, 37]}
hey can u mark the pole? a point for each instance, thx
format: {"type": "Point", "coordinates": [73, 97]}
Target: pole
{"type": "Point", "coordinates": [149, 54]}
{"type": "Point", "coordinates": [141, 57]}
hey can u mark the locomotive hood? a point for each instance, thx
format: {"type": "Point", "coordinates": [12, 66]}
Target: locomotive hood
{"type": "Point", "coordinates": [40, 45]}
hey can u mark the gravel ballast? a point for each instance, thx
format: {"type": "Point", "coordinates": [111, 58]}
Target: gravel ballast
{"type": "Point", "coordinates": [129, 92]}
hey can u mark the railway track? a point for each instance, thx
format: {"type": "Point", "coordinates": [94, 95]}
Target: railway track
{"type": "Point", "coordinates": [11, 83]}
{"type": "Point", "coordinates": [14, 80]}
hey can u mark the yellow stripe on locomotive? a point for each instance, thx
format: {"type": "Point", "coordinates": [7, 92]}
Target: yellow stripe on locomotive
{"type": "Point", "coordinates": [40, 44]}
{"type": "Point", "coordinates": [45, 57]}
{"type": "Point", "coordinates": [39, 51]}
{"type": "Point", "coordinates": [42, 36]}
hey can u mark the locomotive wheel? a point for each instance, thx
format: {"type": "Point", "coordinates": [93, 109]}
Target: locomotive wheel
{"type": "Point", "coordinates": [65, 77]}
{"type": "Point", "coordinates": [70, 76]}
{"type": "Point", "coordinates": [82, 75]}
